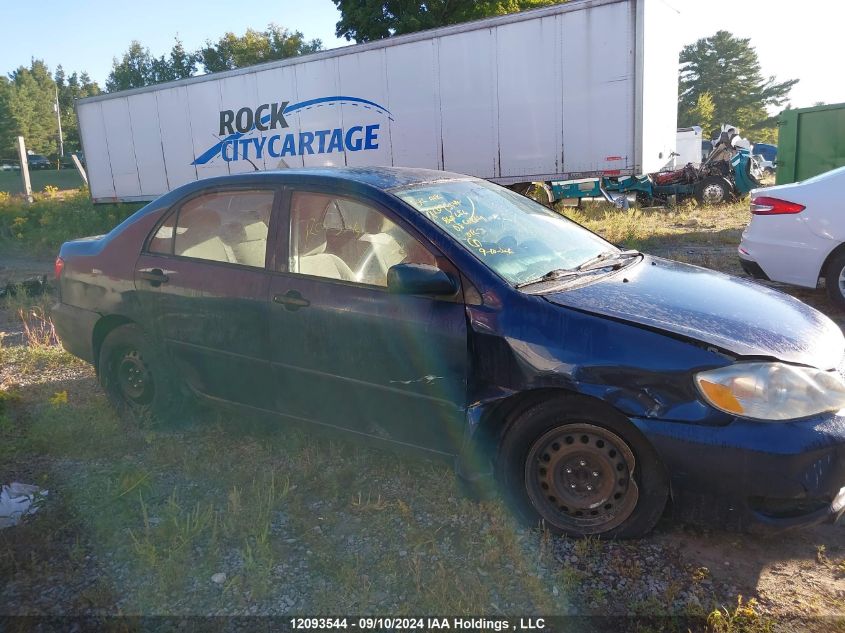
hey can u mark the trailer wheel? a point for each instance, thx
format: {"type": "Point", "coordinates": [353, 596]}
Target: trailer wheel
{"type": "Point", "coordinates": [712, 190]}
{"type": "Point", "coordinates": [537, 191]}
{"type": "Point", "coordinates": [542, 193]}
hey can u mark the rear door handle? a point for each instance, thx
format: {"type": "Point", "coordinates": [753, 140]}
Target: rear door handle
{"type": "Point", "coordinates": [155, 276]}
{"type": "Point", "coordinates": [292, 300]}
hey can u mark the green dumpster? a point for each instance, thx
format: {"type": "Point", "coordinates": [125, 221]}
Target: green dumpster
{"type": "Point", "coordinates": [811, 141]}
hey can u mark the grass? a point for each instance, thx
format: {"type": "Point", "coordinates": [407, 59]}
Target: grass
{"type": "Point", "coordinates": [296, 521]}
{"type": "Point", "coordinates": [172, 509]}
{"type": "Point", "coordinates": [69, 178]}
{"type": "Point", "coordinates": [658, 227]}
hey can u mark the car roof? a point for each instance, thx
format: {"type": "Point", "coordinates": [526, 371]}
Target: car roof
{"type": "Point", "coordinates": [380, 178]}
{"type": "Point", "coordinates": [383, 178]}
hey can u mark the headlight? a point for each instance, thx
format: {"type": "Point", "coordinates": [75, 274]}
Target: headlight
{"type": "Point", "coordinates": [771, 391]}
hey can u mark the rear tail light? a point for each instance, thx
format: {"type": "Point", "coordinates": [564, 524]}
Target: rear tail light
{"type": "Point", "coordinates": [765, 205]}
{"type": "Point", "coordinates": [59, 267]}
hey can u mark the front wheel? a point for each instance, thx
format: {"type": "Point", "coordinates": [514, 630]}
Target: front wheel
{"type": "Point", "coordinates": [137, 379]}
{"type": "Point", "coordinates": [712, 190]}
{"type": "Point", "coordinates": [834, 280]}
{"type": "Point", "coordinates": [582, 470]}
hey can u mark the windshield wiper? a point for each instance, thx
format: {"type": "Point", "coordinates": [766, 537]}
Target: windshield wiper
{"type": "Point", "coordinates": [605, 259]}
{"type": "Point", "coordinates": [608, 258]}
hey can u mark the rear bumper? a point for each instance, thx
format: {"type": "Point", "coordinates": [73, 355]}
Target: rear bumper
{"type": "Point", "coordinates": [754, 475]}
{"type": "Point", "coordinates": [753, 268]}
{"type": "Point", "coordinates": [784, 250]}
{"type": "Point", "coordinates": [75, 327]}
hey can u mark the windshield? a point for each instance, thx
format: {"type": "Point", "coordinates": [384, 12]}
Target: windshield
{"type": "Point", "coordinates": [515, 236]}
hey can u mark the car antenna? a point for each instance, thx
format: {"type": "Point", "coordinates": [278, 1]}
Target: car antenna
{"type": "Point", "coordinates": [245, 158]}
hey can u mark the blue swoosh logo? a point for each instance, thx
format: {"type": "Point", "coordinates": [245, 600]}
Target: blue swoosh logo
{"type": "Point", "coordinates": [216, 149]}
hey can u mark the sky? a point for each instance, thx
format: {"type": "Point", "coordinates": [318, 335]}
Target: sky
{"type": "Point", "coordinates": [794, 39]}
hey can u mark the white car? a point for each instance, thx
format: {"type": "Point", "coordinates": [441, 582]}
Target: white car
{"type": "Point", "coordinates": [797, 234]}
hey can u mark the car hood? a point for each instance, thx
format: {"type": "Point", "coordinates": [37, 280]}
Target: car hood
{"type": "Point", "coordinates": [736, 315]}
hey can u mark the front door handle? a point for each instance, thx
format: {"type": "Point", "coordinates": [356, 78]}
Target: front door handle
{"type": "Point", "coordinates": [155, 276]}
{"type": "Point", "coordinates": [292, 300]}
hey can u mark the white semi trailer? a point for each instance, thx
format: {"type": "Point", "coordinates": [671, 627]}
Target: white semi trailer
{"type": "Point", "coordinates": [575, 90]}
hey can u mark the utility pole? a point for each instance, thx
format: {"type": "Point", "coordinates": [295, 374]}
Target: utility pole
{"type": "Point", "coordinates": [59, 121]}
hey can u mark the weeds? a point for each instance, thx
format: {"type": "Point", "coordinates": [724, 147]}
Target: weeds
{"type": "Point", "coordinates": [644, 228]}
{"type": "Point", "coordinates": [52, 219]}
{"type": "Point", "coordinates": [744, 618]}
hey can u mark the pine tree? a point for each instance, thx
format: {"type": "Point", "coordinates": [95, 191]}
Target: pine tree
{"type": "Point", "coordinates": [134, 70]}
{"type": "Point", "coordinates": [727, 68]}
{"type": "Point", "coordinates": [77, 86]}
{"type": "Point", "coordinates": [26, 106]}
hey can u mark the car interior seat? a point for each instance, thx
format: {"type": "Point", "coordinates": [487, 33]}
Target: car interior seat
{"type": "Point", "coordinates": [202, 237]}
{"type": "Point", "coordinates": [311, 242]}
{"type": "Point", "coordinates": [383, 250]}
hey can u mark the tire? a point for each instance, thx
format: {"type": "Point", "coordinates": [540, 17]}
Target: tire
{"type": "Point", "coordinates": [537, 191]}
{"type": "Point", "coordinates": [521, 188]}
{"type": "Point", "coordinates": [834, 280]}
{"type": "Point", "coordinates": [713, 190]}
{"type": "Point", "coordinates": [644, 200]}
{"type": "Point", "coordinates": [137, 378]}
{"type": "Point", "coordinates": [556, 449]}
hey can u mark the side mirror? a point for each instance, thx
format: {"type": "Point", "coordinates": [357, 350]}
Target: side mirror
{"type": "Point", "coordinates": [419, 279]}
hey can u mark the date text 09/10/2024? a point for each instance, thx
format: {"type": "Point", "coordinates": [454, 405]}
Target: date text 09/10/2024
{"type": "Point", "coordinates": [416, 624]}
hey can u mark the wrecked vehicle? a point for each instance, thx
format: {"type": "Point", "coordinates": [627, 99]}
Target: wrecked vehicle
{"type": "Point", "coordinates": [443, 312]}
{"type": "Point", "coordinates": [729, 172]}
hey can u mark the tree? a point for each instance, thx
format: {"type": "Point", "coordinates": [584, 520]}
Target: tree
{"type": "Point", "coordinates": [77, 86]}
{"type": "Point", "coordinates": [254, 47]}
{"type": "Point", "coordinates": [727, 68]}
{"type": "Point", "coordinates": [367, 20]}
{"type": "Point", "coordinates": [138, 68]}
{"type": "Point", "coordinates": [178, 65]}
{"type": "Point", "coordinates": [26, 109]}
{"type": "Point", "coordinates": [7, 125]}
{"type": "Point", "coordinates": [704, 112]}
{"type": "Point", "coordinates": [182, 63]}
{"type": "Point", "coordinates": [134, 70]}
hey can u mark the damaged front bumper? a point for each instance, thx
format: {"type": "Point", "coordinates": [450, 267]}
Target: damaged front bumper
{"type": "Point", "coordinates": [750, 475]}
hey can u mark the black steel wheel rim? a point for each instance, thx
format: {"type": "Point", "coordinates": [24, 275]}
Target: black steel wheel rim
{"type": "Point", "coordinates": [580, 478]}
{"type": "Point", "coordinates": [134, 380]}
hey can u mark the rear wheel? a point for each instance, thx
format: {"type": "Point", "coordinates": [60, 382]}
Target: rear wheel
{"type": "Point", "coordinates": [137, 379]}
{"type": "Point", "coordinates": [582, 470]}
{"type": "Point", "coordinates": [834, 279]}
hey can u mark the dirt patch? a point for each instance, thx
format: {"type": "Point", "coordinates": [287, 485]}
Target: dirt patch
{"type": "Point", "coordinates": [16, 266]}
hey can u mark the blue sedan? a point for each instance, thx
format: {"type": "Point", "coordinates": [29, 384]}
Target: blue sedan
{"type": "Point", "coordinates": [441, 312]}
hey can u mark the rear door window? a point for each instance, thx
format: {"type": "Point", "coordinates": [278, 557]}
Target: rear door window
{"type": "Point", "coordinates": [224, 226]}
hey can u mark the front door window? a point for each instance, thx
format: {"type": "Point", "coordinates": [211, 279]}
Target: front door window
{"type": "Point", "coordinates": [339, 238]}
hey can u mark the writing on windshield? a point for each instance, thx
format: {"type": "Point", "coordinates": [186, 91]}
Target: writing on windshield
{"type": "Point", "coordinates": [516, 237]}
